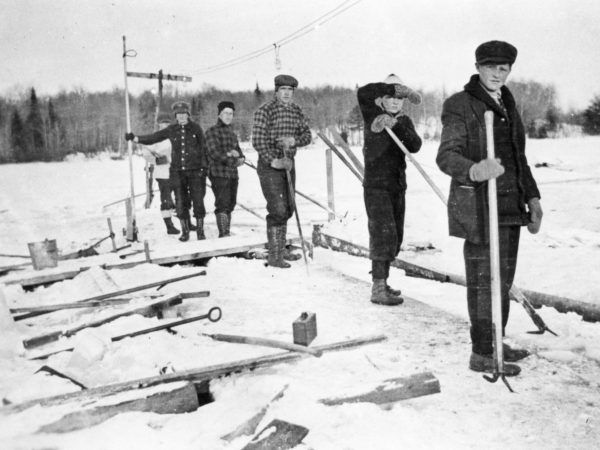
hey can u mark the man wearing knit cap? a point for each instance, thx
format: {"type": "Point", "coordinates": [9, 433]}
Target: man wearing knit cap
{"type": "Point", "coordinates": [280, 127]}
{"type": "Point", "coordinates": [384, 185]}
{"type": "Point", "coordinates": [189, 165]}
{"type": "Point", "coordinates": [462, 155]}
{"type": "Point", "coordinates": [224, 157]}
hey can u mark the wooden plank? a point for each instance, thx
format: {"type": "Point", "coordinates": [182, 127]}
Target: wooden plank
{"type": "Point", "coordinates": [149, 309]}
{"type": "Point", "coordinates": [265, 343]}
{"type": "Point", "coordinates": [179, 400]}
{"type": "Point", "coordinates": [278, 434]}
{"type": "Point", "coordinates": [72, 305]}
{"type": "Point", "coordinates": [393, 390]}
{"type": "Point", "coordinates": [196, 375]}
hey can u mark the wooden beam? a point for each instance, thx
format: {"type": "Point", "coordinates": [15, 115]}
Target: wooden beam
{"type": "Point", "coordinates": [393, 390]}
{"type": "Point", "coordinates": [196, 375]}
{"type": "Point", "coordinates": [180, 398]}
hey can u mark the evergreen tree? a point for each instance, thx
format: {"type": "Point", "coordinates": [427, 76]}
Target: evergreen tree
{"type": "Point", "coordinates": [34, 126]}
{"type": "Point", "coordinates": [259, 97]}
{"type": "Point", "coordinates": [591, 117]}
{"type": "Point", "coordinates": [18, 138]}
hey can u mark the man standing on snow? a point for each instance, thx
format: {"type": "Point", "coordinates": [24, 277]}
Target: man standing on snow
{"type": "Point", "coordinates": [384, 183]}
{"type": "Point", "coordinates": [159, 156]}
{"type": "Point", "coordinates": [280, 127]}
{"type": "Point", "coordinates": [224, 156]}
{"type": "Point", "coordinates": [189, 166]}
{"type": "Point", "coordinates": [462, 155]}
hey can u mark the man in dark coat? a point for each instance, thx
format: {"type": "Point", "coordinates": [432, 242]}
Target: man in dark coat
{"type": "Point", "coordinates": [384, 183]}
{"type": "Point", "coordinates": [280, 127]}
{"type": "Point", "coordinates": [189, 166]}
{"type": "Point", "coordinates": [462, 155]}
{"type": "Point", "coordinates": [224, 157]}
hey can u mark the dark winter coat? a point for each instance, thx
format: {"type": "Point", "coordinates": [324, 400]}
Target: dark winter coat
{"type": "Point", "coordinates": [464, 143]}
{"type": "Point", "coordinates": [187, 142]}
{"type": "Point", "coordinates": [385, 163]}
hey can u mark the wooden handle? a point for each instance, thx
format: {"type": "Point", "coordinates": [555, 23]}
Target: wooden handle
{"type": "Point", "coordinates": [264, 342]}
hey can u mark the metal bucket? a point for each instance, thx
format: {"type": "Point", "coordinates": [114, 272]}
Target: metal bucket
{"type": "Point", "coordinates": [43, 254]}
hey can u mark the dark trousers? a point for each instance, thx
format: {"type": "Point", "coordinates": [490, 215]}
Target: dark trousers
{"type": "Point", "coordinates": [385, 212]}
{"type": "Point", "coordinates": [189, 187]}
{"type": "Point", "coordinates": [225, 191]}
{"type": "Point", "coordinates": [479, 295]}
{"type": "Point", "coordinates": [274, 186]}
{"type": "Point", "coordinates": [166, 199]}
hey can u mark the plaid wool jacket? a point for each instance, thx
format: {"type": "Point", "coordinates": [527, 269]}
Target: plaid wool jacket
{"type": "Point", "coordinates": [274, 120]}
{"type": "Point", "coordinates": [220, 139]}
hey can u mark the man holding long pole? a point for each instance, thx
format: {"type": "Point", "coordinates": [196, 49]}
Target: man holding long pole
{"type": "Point", "coordinates": [463, 155]}
{"type": "Point", "coordinates": [279, 124]}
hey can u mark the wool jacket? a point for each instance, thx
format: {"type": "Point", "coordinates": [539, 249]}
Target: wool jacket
{"type": "Point", "coordinates": [188, 146]}
{"type": "Point", "coordinates": [221, 139]}
{"type": "Point", "coordinates": [274, 120]}
{"type": "Point", "coordinates": [464, 143]}
{"type": "Point", "coordinates": [385, 163]}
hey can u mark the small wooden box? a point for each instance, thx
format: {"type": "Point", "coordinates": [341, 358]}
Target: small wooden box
{"type": "Point", "coordinates": [305, 328]}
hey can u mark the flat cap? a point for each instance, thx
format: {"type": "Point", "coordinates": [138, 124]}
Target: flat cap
{"type": "Point", "coordinates": [181, 107]}
{"type": "Point", "coordinates": [285, 80]}
{"type": "Point", "coordinates": [495, 52]}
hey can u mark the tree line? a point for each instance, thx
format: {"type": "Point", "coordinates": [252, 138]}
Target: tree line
{"type": "Point", "coordinates": [84, 122]}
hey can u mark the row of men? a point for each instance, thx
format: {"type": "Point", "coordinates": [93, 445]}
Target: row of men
{"type": "Point", "coordinates": [280, 127]}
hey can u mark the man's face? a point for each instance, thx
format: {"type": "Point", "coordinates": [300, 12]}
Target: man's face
{"type": "Point", "coordinates": [226, 116]}
{"type": "Point", "coordinates": [285, 94]}
{"type": "Point", "coordinates": [182, 118]}
{"type": "Point", "coordinates": [493, 76]}
{"type": "Point", "coordinates": [392, 104]}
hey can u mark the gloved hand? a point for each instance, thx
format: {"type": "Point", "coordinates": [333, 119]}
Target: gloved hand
{"type": "Point", "coordinates": [486, 169]}
{"type": "Point", "coordinates": [287, 141]}
{"type": "Point", "coordinates": [233, 153]}
{"type": "Point", "coordinates": [240, 161]}
{"type": "Point", "coordinates": [282, 164]}
{"type": "Point", "coordinates": [161, 160]}
{"type": "Point", "coordinates": [129, 136]}
{"type": "Point", "coordinates": [382, 121]}
{"type": "Point", "coordinates": [535, 215]}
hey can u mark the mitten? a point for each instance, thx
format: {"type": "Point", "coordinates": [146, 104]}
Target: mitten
{"type": "Point", "coordinates": [486, 169]}
{"type": "Point", "coordinates": [129, 136]}
{"type": "Point", "coordinates": [282, 164]}
{"type": "Point", "coordinates": [535, 215]}
{"type": "Point", "coordinates": [382, 121]}
{"type": "Point", "coordinates": [161, 160]}
{"type": "Point", "coordinates": [287, 141]}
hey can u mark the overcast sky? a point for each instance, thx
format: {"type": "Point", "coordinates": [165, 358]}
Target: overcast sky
{"type": "Point", "coordinates": [62, 44]}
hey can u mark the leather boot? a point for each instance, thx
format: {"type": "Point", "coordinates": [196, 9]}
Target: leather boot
{"type": "Point", "coordinates": [392, 291]}
{"type": "Point", "coordinates": [381, 296]}
{"type": "Point", "coordinates": [185, 230]}
{"type": "Point", "coordinates": [223, 224]}
{"type": "Point", "coordinates": [486, 363]}
{"type": "Point", "coordinates": [170, 227]}
{"type": "Point", "coordinates": [514, 354]}
{"type": "Point", "coordinates": [191, 224]}
{"type": "Point", "coordinates": [200, 228]}
{"type": "Point", "coordinates": [228, 229]}
{"type": "Point", "coordinates": [275, 258]}
{"type": "Point", "coordinates": [286, 253]}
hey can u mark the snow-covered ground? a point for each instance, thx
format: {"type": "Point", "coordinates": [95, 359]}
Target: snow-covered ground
{"type": "Point", "coordinates": [557, 399]}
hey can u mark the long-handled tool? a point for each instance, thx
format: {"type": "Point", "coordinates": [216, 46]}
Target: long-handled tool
{"type": "Point", "coordinates": [131, 225]}
{"type": "Point", "coordinates": [495, 282]}
{"type": "Point", "coordinates": [292, 200]}
{"type": "Point", "coordinates": [514, 291]}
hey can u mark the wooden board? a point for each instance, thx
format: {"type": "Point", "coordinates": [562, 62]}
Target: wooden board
{"type": "Point", "coordinates": [176, 401]}
{"type": "Point", "coordinates": [393, 390]}
{"type": "Point", "coordinates": [279, 435]}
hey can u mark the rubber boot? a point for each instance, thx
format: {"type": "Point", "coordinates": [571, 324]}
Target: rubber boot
{"type": "Point", "coordinates": [200, 228]}
{"type": "Point", "coordinates": [275, 258]}
{"type": "Point", "coordinates": [185, 230]}
{"type": "Point", "coordinates": [381, 296]}
{"type": "Point", "coordinates": [170, 227]}
{"type": "Point", "coordinates": [222, 224]}
{"type": "Point", "coordinates": [286, 254]}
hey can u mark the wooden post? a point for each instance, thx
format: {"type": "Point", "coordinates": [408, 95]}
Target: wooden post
{"type": "Point", "coordinates": [130, 231]}
{"type": "Point", "coordinates": [330, 194]}
{"type": "Point", "coordinates": [147, 251]}
{"type": "Point", "coordinates": [131, 234]}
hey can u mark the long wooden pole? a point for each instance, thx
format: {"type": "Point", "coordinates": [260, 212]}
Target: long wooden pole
{"type": "Point", "coordinates": [342, 158]}
{"type": "Point", "coordinates": [131, 228]}
{"type": "Point", "coordinates": [359, 165]}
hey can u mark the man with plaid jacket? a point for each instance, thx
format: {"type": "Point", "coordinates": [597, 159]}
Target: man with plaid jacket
{"type": "Point", "coordinates": [280, 127]}
{"type": "Point", "coordinates": [224, 157]}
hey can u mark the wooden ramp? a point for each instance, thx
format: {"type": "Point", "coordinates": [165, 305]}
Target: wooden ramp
{"type": "Point", "coordinates": [165, 252]}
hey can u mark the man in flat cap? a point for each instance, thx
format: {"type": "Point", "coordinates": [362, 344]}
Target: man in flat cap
{"type": "Point", "coordinates": [384, 184]}
{"type": "Point", "coordinates": [462, 155]}
{"type": "Point", "coordinates": [224, 157]}
{"type": "Point", "coordinates": [189, 165]}
{"type": "Point", "coordinates": [280, 127]}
